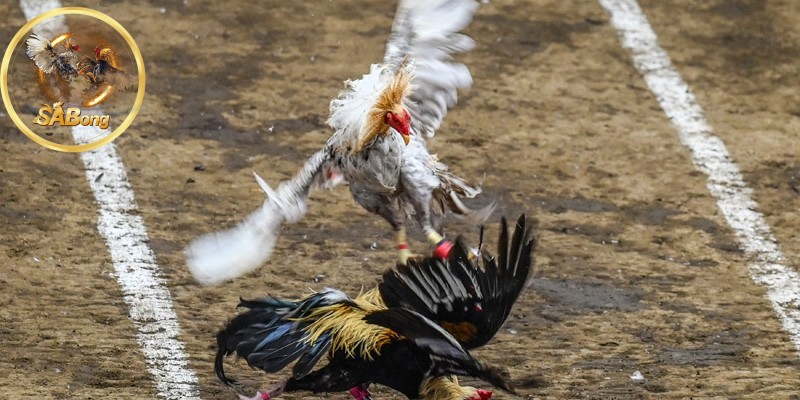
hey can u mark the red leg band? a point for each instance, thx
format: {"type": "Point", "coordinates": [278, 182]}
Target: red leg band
{"type": "Point", "coordinates": [443, 248]}
{"type": "Point", "coordinates": [402, 246]}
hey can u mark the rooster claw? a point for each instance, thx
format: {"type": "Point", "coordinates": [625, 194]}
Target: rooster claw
{"type": "Point", "coordinates": [272, 393]}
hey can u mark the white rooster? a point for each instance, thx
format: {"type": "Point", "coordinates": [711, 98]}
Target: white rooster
{"type": "Point", "coordinates": [60, 58]}
{"type": "Point", "coordinates": [380, 122]}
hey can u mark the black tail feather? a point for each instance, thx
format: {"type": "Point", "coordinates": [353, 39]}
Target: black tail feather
{"type": "Point", "coordinates": [219, 364]}
{"type": "Point", "coordinates": [310, 358]}
{"type": "Point", "coordinates": [237, 331]}
{"type": "Point", "coordinates": [273, 353]}
{"type": "Point", "coordinates": [464, 291]}
{"type": "Point", "coordinates": [269, 336]}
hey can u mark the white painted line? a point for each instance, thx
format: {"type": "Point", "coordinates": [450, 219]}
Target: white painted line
{"type": "Point", "coordinates": [32, 8]}
{"type": "Point", "coordinates": [144, 291]}
{"type": "Point", "coordinates": [709, 155]}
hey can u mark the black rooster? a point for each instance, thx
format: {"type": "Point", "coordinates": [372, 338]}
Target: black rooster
{"type": "Point", "coordinates": [409, 333]}
{"type": "Point", "coordinates": [100, 70]}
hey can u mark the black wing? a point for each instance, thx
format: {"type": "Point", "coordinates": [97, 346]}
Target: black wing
{"type": "Point", "coordinates": [470, 300]}
{"type": "Point", "coordinates": [117, 78]}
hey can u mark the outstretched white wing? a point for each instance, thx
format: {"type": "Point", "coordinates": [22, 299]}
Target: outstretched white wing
{"type": "Point", "coordinates": [40, 51]}
{"type": "Point", "coordinates": [424, 38]}
{"type": "Point", "coordinates": [426, 33]}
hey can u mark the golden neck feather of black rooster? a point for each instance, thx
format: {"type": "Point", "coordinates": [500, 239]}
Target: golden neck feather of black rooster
{"type": "Point", "coordinates": [390, 100]}
{"type": "Point", "coordinates": [108, 55]}
{"type": "Point", "coordinates": [347, 327]}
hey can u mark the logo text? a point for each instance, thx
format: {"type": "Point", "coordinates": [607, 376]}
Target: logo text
{"type": "Point", "coordinates": [55, 114]}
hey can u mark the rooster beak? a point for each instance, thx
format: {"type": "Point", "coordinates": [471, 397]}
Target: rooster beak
{"type": "Point", "coordinates": [405, 129]}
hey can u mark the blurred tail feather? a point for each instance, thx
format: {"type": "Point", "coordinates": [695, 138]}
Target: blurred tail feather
{"type": "Point", "coordinates": [473, 217]}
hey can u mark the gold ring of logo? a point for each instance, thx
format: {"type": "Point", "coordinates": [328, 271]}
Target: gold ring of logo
{"type": "Point", "coordinates": [4, 79]}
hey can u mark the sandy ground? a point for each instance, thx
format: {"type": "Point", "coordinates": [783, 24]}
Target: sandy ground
{"type": "Point", "coordinates": [637, 268]}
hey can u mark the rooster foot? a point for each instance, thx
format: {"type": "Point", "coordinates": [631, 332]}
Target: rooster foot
{"type": "Point", "coordinates": [271, 393]}
{"type": "Point", "coordinates": [481, 394]}
{"type": "Point", "coordinates": [360, 392]}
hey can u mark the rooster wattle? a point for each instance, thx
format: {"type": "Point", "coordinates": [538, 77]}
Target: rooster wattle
{"type": "Point", "coordinates": [409, 333]}
{"type": "Point", "coordinates": [378, 147]}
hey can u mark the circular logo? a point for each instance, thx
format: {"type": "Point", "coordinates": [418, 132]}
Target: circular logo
{"type": "Point", "coordinates": [72, 79]}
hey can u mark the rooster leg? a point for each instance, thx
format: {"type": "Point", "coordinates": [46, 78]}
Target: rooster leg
{"type": "Point", "coordinates": [418, 190]}
{"type": "Point", "coordinates": [402, 245]}
{"type": "Point", "coordinates": [443, 245]}
{"type": "Point", "coordinates": [268, 394]}
{"type": "Point", "coordinates": [423, 217]}
{"type": "Point", "coordinates": [389, 209]}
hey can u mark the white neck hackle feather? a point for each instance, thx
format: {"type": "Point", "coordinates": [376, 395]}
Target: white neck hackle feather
{"type": "Point", "coordinates": [352, 111]}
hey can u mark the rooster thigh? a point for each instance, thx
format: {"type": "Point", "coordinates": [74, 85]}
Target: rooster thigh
{"type": "Point", "coordinates": [384, 205]}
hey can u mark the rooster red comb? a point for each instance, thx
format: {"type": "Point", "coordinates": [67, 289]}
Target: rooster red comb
{"type": "Point", "coordinates": [69, 45]}
{"type": "Point", "coordinates": [97, 49]}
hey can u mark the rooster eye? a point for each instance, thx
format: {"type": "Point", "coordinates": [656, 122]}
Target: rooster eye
{"type": "Point", "coordinates": [392, 118]}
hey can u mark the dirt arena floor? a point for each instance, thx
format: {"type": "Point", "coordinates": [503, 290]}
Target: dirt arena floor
{"type": "Point", "coordinates": [637, 268]}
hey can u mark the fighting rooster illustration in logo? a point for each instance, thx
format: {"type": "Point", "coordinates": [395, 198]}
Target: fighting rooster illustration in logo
{"type": "Point", "coordinates": [60, 58]}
